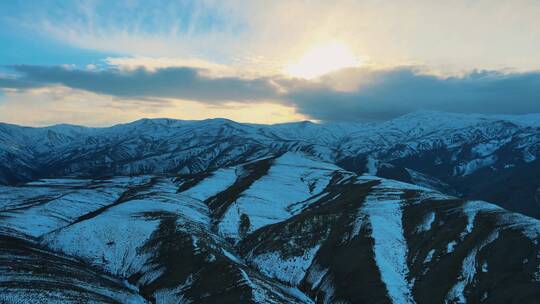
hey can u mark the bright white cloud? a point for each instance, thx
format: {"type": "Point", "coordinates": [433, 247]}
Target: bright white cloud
{"type": "Point", "coordinates": [264, 36]}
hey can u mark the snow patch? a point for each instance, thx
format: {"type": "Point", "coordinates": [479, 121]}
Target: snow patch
{"type": "Point", "coordinates": [451, 246]}
{"type": "Point", "coordinates": [218, 182]}
{"type": "Point", "coordinates": [393, 185]}
{"type": "Point", "coordinates": [258, 295]}
{"type": "Point", "coordinates": [371, 166]}
{"type": "Point", "coordinates": [471, 209]}
{"type": "Point", "coordinates": [232, 257]}
{"type": "Point", "coordinates": [315, 275]}
{"type": "Point", "coordinates": [468, 271]}
{"type": "Point", "coordinates": [429, 256]}
{"type": "Point", "coordinates": [488, 148]}
{"type": "Point", "coordinates": [286, 269]}
{"type": "Point", "coordinates": [473, 165]}
{"type": "Point", "coordinates": [427, 221]}
{"type": "Point", "coordinates": [530, 227]}
{"type": "Point", "coordinates": [485, 267]}
{"type": "Point", "coordinates": [385, 216]}
{"type": "Point", "coordinates": [357, 224]}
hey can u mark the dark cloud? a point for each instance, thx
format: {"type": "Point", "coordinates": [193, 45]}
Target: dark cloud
{"type": "Point", "coordinates": [379, 94]}
{"type": "Point", "coordinates": [13, 83]}
{"type": "Point", "coordinates": [390, 93]}
{"type": "Point", "coordinates": [183, 83]}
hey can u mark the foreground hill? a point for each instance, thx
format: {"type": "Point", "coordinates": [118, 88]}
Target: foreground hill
{"type": "Point", "coordinates": [493, 158]}
{"type": "Point", "coordinates": [280, 229]}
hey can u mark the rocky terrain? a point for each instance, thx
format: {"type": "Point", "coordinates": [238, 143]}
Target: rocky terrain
{"type": "Point", "coordinates": [281, 228]}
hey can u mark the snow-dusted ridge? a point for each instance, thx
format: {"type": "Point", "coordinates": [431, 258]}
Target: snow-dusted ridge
{"type": "Point", "coordinates": [280, 227]}
{"type": "Point", "coordinates": [454, 153]}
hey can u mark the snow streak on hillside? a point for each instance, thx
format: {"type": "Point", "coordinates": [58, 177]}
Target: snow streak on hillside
{"type": "Point", "coordinates": [235, 213]}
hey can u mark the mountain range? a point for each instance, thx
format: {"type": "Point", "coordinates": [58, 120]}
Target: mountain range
{"type": "Point", "coordinates": [428, 208]}
{"type": "Point", "coordinates": [479, 157]}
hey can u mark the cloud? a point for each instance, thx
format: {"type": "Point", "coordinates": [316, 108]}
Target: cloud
{"type": "Point", "coordinates": [182, 29]}
{"type": "Point", "coordinates": [57, 104]}
{"type": "Point", "coordinates": [175, 82]}
{"type": "Point", "coordinates": [155, 63]}
{"type": "Point", "coordinates": [14, 83]}
{"type": "Point", "coordinates": [349, 95]}
{"type": "Point", "coordinates": [450, 36]}
{"type": "Point", "coordinates": [222, 52]}
{"type": "Point", "coordinates": [385, 94]}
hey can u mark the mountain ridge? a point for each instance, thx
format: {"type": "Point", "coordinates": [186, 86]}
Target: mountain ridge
{"type": "Point", "coordinates": [461, 151]}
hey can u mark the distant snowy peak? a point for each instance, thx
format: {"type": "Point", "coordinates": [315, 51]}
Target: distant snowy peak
{"type": "Point", "coordinates": [467, 119]}
{"type": "Point", "coordinates": [306, 130]}
{"type": "Point", "coordinates": [411, 126]}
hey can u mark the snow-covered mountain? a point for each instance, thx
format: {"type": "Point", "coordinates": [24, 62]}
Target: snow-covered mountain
{"type": "Point", "coordinates": [493, 158]}
{"type": "Point", "coordinates": [279, 229]}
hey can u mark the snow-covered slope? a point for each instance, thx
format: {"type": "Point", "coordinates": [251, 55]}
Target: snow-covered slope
{"type": "Point", "coordinates": [462, 154]}
{"type": "Point", "coordinates": [491, 158]}
{"type": "Point", "coordinates": [279, 229]}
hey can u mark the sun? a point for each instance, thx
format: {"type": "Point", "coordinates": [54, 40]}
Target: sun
{"type": "Point", "coordinates": [322, 59]}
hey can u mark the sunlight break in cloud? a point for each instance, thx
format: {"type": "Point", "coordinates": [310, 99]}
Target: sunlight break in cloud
{"type": "Point", "coordinates": [57, 104]}
{"type": "Point", "coordinates": [322, 60]}
{"type": "Point", "coordinates": [445, 36]}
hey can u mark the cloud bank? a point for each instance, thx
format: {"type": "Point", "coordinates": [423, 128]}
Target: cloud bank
{"type": "Point", "coordinates": [377, 94]}
{"type": "Point", "coordinates": [390, 93]}
{"type": "Point", "coordinates": [174, 82]}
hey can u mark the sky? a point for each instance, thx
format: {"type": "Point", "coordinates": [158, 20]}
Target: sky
{"type": "Point", "coordinates": [99, 63]}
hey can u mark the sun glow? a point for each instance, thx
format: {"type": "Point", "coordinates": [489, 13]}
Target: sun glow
{"type": "Point", "coordinates": [321, 60]}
